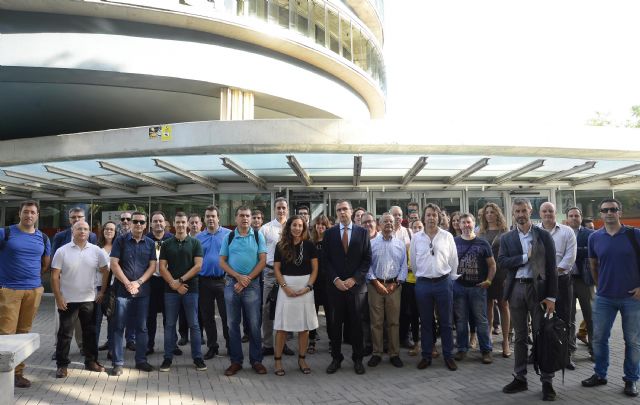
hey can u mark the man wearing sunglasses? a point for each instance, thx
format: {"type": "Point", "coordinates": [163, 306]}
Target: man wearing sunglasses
{"type": "Point", "coordinates": [614, 263]}
{"type": "Point", "coordinates": [435, 263]}
{"type": "Point", "coordinates": [125, 223]}
{"type": "Point", "coordinates": [133, 261]}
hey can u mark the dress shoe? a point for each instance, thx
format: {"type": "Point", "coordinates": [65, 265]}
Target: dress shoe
{"type": "Point", "coordinates": [396, 362]}
{"type": "Point", "coordinates": [20, 382]}
{"type": "Point", "coordinates": [286, 350]}
{"type": "Point", "coordinates": [593, 381]}
{"type": "Point", "coordinates": [177, 351]}
{"type": "Point", "coordinates": [183, 341]}
{"type": "Point", "coordinates": [434, 353]}
{"type": "Point", "coordinates": [374, 361]}
{"type": "Point", "coordinates": [165, 366]}
{"type": "Point", "coordinates": [116, 371]}
{"type": "Point", "coordinates": [149, 352]}
{"type": "Point", "coordinates": [211, 353]}
{"type": "Point", "coordinates": [245, 338]}
{"type": "Point", "coordinates": [259, 368]}
{"type": "Point", "coordinates": [94, 366]}
{"type": "Point", "coordinates": [131, 346]}
{"type": "Point", "coordinates": [268, 351]}
{"type": "Point", "coordinates": [460, 356]}
{"type": "Point", "coordinates": [334, 366]}
{"type": "Point", "coordinates": [144, 366]}
{"type": "Point", "coordinates": [232, 369]}
{"type": "Point", "coordinates": [571, 365]}
{"type": "Point", "coordinates": [630, 388]}
{"type": "Point", "coordinates": [451, 364]}
{"type": "Point", "coordinates": [548, 393]}
{"type": "Point", "coordinates": [515, 386]}
{"type": "Point", "coordinates": [61, 372]}
{"type": "Point", "coordinates": [424, 363]}
{"type": "Point", "coordinates": [358, 367]}
{"type": "Point", "coordinates": [103, 347]}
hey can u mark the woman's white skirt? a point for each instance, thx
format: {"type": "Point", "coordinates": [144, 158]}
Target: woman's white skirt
{"type": "Point", "coordinates": [295, 314]}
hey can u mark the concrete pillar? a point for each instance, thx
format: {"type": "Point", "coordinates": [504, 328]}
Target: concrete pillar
{"type": "Point", "coordinates": [14, 349]}
{"type": "Point", "coordinates": [236, 104]}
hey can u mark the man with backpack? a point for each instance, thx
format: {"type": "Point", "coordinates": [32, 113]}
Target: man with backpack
{"type": "Point", "coordinates": [613, 255]}
{"type": "Point", "coordinates": [25, 253]}
{"type": "Point", "coordinates": [243, 256]}
{"type": "Point", "coordinates": [529, 255]}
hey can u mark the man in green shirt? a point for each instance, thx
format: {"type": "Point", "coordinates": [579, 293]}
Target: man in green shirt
{"type": "Point", "coordinates": [180, 263]}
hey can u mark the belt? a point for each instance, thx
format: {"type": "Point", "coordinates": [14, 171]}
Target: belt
{"type": "Point", "coordinates": [213, 277]}
{"type": "Point", "coordinates": [388, 280]}
{"type": "Point", "coordinates": [524, 280]}
{"type": "Point", "coordinates": [269, 266]}
{"type": "Point", "coordinates": [434, 279]}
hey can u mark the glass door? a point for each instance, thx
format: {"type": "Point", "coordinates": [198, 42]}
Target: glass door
{"type": "Point", "coordinates": [314, 200]}
{"type": "Point", "coordinates": [357, 199]}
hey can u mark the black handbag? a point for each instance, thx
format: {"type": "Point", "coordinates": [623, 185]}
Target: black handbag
{"type": "Point", "coordinates": [271, 299]}
{"type": "Point", "coordinates": [109, 302]}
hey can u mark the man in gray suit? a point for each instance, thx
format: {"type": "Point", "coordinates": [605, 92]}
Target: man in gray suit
{"type": "Point", "coordinates": [529, 254]}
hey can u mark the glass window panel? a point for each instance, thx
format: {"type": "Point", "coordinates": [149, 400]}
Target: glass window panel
{"type": "Point", "coordinates": [630, 200]}
{"type": "Point", "coordinates": [475, 203]}
{"type": "Point", "coordinates": [12, 216]}
{"type": "Point", "coordinates": [345, 32]}
{"type": "Point", "coordinates": [384, 204]}
{"type": "Point", "coordinates": [105, 210]}
{"type": "Point", "coordinates": [360, 50]}
{"type": "Point", "coordinates": [564, 201]}
{"type": "Point", "coordinates": [302, 16]}
{"type": "Point", "coordinates": [536, 202]}
{"type": "Point", "coordinates": [54, 215]}
{"type": "Point", "coordinates": [227, 203]}
{"type": "Point", "coordinates": [589, 200]}
{"type": "Point", "coordinates": [186, 203]}
{"type": "Point", "coordinates": [319, 22]}
{"type": "Point", "coordinates": [451, 204]}
{"type": "Point", "coordinates": [258, 9]}
{"type": "Point", "coordinates": [279, 12]}
{"type": "Point", "coordinates": [334, 30]}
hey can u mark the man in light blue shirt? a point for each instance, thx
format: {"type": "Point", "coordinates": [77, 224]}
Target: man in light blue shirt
{"type": "Point", "coordinates": [387, 271]}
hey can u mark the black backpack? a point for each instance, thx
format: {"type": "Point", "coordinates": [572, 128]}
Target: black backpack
{"type": "Point", "coordinates": [551, 346]}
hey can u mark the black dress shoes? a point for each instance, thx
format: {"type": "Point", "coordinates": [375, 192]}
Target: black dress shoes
{"type": "Point", "coordinates": [374, 361]}
{"type": "Point", "coordinates": [451, 364]}
{"type": "Point", "coordinates": [424, 363]}
{"type": "Point", "coordinates": [334, 366]}
{"type": "Point", "coordinates": [358, 367]}
{"type": "Point", "coordinates": [286, 350]}
{"type": "Point", "coordinates": [211, 353]}
{"type": "Point", "coordinates": [630, 388]}
{"type": "Point", "coordinates": [548, 393]}
{"type": "Point", "coordinates": [593, 381]}
{"type": "Point", "coordinates": [571, 366]}
{"type": "Point", "coordinates": [183, 341]}
{"type": "Point", "coordinates": [515, 386]}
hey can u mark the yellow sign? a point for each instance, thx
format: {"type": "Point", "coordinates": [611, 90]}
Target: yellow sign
{"type": "Point", "coordinates": [166, 133]}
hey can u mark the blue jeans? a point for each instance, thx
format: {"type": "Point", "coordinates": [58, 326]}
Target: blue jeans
{"type": "Point", "coordinates": [249, 300]}
{"type": "Point", "coordinates": [130, 308]}
{"type": "Point", "coordinates": [439, 293]}
{"type": "Point", "coordinates": [172, 303]}
{"type": "Point", "coordinates": [470, 303]}
{"type": "Point", "coordinates": [604, 314]}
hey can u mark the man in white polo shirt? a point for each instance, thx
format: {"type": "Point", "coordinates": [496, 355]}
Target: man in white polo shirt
{"type": "Point", "coordinates": [73, 281]}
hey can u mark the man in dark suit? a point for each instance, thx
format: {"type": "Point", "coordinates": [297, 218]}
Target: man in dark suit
{"type": "Point", "coordinates": [529, 255]}
{"type": "Point", "coordinates": [347, 254]}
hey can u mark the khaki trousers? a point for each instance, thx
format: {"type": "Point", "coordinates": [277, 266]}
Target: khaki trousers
{"type": "Point", "coordinates": [381, 307]}
{"type": "Point", "coordinates": [17, 311]}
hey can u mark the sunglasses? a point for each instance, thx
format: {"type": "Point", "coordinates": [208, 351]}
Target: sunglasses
{"type": "Point", "coordinates": [139, 222]}
{"type": "Point", "coordinates": [123, 219]}
{"type": "Point", "coordinates": [610, 209]}
{"type": "Point", "coordinates": [431, 247]}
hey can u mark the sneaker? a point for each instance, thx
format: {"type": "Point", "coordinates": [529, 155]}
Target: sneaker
{"type": "Point", "coordinates": [200, 366]}
{"type": "Point", "coordinates": [166, 365]}
{"type": "Point", "coordinates": [116, 371]}
{"type": "Point", "coordinates": [515, 386]}
{"type": "Point", "coordinates": [144, 367]}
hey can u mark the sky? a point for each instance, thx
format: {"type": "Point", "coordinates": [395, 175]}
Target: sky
{"type": "Point", "coordinates": [511, 62]}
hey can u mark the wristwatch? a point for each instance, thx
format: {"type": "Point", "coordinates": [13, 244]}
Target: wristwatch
{"type": "Point", "coordinates": [181, 280]}
{"type": "Point", "coordinates": [310, 287]}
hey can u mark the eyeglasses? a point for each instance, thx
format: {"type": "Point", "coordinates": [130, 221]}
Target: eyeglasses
{"type": "Point", "coordinates": [125, 219]}
{"type": "Point", "coordinates": [609, 209]}
{"type": "Point", "coordinates": [431, 247]}
{"type": "Point", "coordinates": [77, 217]}
{"type": "Point", "coordinates": [139, 222]}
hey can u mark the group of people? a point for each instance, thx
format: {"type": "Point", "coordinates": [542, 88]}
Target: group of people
{"type": "Point", "coordinates": [382, 285]}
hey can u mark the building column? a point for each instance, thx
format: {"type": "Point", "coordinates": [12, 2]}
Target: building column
{"type": "Point", "coordinates": [236, 104]}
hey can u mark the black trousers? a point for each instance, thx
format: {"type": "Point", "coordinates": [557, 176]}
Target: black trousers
{"type": "Point", "coordinates": [409, 315]}
{"type": "Point", "coordinates": [212, 294]}
{"type": "Point", "coordinates": [563, 305]}
{"type": "Point", "coordinates": [85, 311]}
{"type": "Point", "coordinates": [346, 305]}
{"type": "Point", "coordinates": [156, 305]}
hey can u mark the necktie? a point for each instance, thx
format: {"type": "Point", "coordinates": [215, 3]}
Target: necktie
{"type": "Point", "coordinates": [345, 239]}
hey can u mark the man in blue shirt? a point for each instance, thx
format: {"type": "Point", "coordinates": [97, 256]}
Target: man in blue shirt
{"type": "Point", "coordinates": [133, 261]}
{"type": "Point", "coordinates": [212, 280]}
{"type": "Point", "coordinates": [614, 265]}
{"type": "Point", "coordinates": [23, 256]}
{"type": "Point", "coordinates": [243, 260]}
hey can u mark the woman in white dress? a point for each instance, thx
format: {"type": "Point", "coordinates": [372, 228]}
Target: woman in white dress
{"type": "Point", "coordinates": [295, 265]}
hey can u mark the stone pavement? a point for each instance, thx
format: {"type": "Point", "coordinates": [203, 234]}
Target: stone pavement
{"type": "Point", "coordinates": [473, 383]}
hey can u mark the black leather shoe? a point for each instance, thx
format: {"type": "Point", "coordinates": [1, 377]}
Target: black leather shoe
{"type": "Point", "coordinates": [149, 352]}
{"type": "Point", "coordinates": [177, 351]}
{"type": "Point", "coordinates": [245, 338]}
{"type": "Point", "coordinates": [515, 386]}
{"type": "Point", "coordinates": [287, 351]}
{"type": "Point", "coordinates": [103, 347]}
{"type": "Point", "coordinates": [374, 361]}
{"type": "Point", "coordinates": [548, 393]}
{"type": "Point", "coordinates": [630, 388]}
{"type": "Point", "coordinates": [424, 363]}
{"type": "Point", "coordinates": [451, 364]}
{"type": "Point", "coordinates": [183, 341]}
{"type": "Point", "coordinates": [396, 362]}
{"type": "Point", "coordinates": [131, 346]}
{"type": "Point", "coordinates": [593, 381]}
{"type": "Point", "coordinates": [358, 367]}
{"type": "Point", "coordinates": [211, 353]}
{"type": "Point", "coordinates": [268, 351]}
{"type": "Point", "coordinates": [571, 366]}
{"type": "Point", "coordinates": [334, 366]}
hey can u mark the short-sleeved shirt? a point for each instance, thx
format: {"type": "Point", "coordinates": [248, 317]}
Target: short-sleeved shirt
{"type": "Point", "coordinates": [617, 263]}
{"type": "Point", "coordinates": [211, 243]}
{"type": "Point", "coordinates": [21, 258]}
{"type": "Point", "coordinates": [243, 253]}
{"type": "Point", "coordinates": [472, 260]}
{"type": "Point", "coordinates": [291, 268]}
{"type": "Point", "coordinates": [134, 258]}
{"type": "Point", "coordinates": [78, 268]}
{"type": "Point", "coordinates": [180, 255]}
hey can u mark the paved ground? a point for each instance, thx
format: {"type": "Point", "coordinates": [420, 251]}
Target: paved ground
{"type": "Point", "coordinates": [473, 383]}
